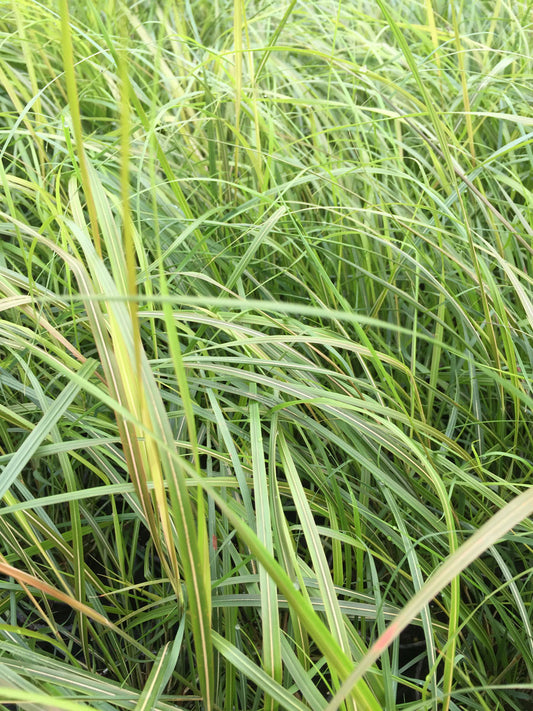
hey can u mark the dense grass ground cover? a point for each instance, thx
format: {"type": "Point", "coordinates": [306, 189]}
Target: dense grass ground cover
{"type": "Point", "coordinates": [266, 334]}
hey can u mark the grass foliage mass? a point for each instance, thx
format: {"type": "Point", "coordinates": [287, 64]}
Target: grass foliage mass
{"type": "Point", "coordinates": [266, 340]}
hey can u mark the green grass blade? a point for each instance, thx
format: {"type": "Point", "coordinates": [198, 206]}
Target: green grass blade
{"type": "Point", "coordinates": [509, 516]}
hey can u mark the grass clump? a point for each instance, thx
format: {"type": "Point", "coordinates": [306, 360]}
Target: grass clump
{"type": "Point", "coordinates": [267, 351]}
